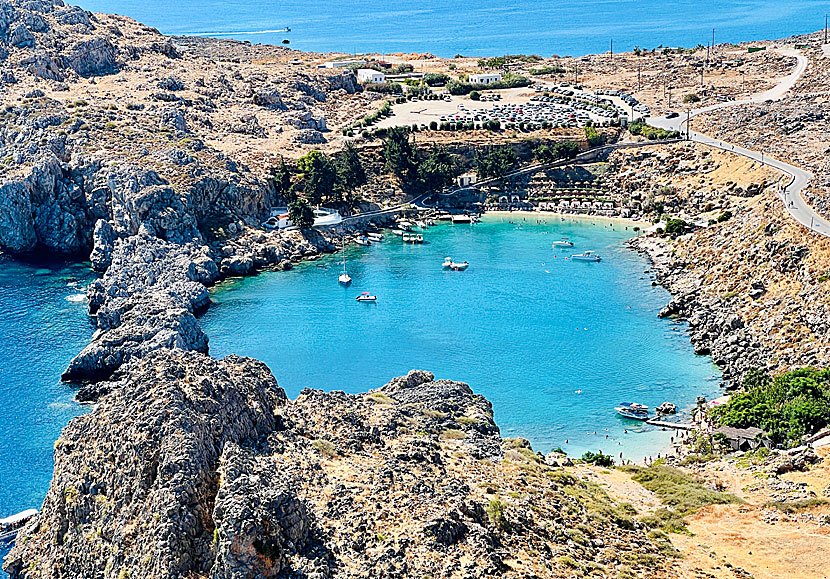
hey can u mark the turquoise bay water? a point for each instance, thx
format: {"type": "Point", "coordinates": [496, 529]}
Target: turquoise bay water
{"type": "Point", "coordinates": [554, 344]}
{"type": "Point", "coordinates": [43, 323]}
{"type": "Point", "coordinates": [472, 27]}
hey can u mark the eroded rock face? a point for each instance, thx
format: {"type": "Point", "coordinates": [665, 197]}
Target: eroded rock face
{"type": "Point", "coordinates": [142, 500]}
{"type": "Point", "coordinates": [146, 301]}
{"type": "Point", "coordinates": [192, 466]}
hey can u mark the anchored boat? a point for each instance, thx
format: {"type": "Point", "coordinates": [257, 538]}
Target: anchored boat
{"type": "Point", "coordinates": [362, 241]}
{"type": "Point", "coordinates": [454, 265]}
{"type": "Point", "coordinates": [345, 278]}
{"type": "Point", "coordinates": [633, 411]}
{"type": "Point", "coordinates": [586, 256]}
{"type": "Point", "coordinates": [366, 297]}
{"type": "Point", "coordinates": [564, 242]}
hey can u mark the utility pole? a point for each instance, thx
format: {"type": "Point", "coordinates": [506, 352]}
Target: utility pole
{"type": "Point", "coordinates": [688, 125]}
{"type": "Point", "coordinates": [713, 42]}
{"type": "Point", "coordinates": [825, 28]}
{"type": "Point", "coordinates": [639, 75]}
{"type": "Point", "coordinates": [612, 50]}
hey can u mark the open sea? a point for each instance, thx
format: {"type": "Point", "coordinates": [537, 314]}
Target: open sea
{"type": "Point", "coordinates": [475, 28]}
{"type": "Point", "coordinates": [553, 343]}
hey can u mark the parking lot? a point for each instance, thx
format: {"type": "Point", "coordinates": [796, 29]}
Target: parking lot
{"type": "Point", "coordinates": [548, 103]}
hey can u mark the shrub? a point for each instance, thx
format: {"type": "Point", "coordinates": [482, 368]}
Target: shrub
{"type": "Point", "coordinates": [691, 98]}
{"type": "Point", "coordinates": [598, 459]}
{"type": "Point", "coordinates": [724, 216]}
{"type": "Point", "coordinates": [475, 95]}
{"type": "Point", "coordinates": [324, 447]}
{"type": "Point", "coordinates": [433, 125]}
{"type": "Point", "coordinates": [495, 514]}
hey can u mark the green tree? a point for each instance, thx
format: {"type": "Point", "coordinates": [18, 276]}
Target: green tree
{"type": "Point", "coordinates": [350, 171]}
{"type": "Point", "coordinates": [301, 214]}
{"type": "Point", "coordinates": [282, 182]}
{"type": "Point", "coordinates": [399, 152]}
{"type": "Point", "coordinates": [495, 161]}
{"type": "Point", "coordinates": [592, 136]}
{"type": "Point", "coordinates": [438, 168]}
{"type": "Point", "coordinates": [319, 176]}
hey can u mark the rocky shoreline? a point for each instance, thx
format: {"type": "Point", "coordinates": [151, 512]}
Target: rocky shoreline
{"type": "Point", "coordinates": [713, 326]}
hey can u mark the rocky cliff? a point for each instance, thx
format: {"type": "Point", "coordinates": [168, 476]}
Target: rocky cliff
{"type": "Point", "coordinates": [201, 467]}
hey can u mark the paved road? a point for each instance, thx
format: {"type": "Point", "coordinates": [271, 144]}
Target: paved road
{"type": "Point", "coordinates": [795, 204]}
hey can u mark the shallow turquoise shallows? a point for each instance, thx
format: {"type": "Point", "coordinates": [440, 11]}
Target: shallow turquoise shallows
{"type": "Point", "coordinates": [555, 344]}
{"type": "Point", "coordinates": [475, 28]}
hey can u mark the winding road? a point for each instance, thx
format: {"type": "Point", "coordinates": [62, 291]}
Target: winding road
{"type": "Point", "coordinates": [794, 203]}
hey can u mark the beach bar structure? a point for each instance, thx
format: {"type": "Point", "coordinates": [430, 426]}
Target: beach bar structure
{"type": "Point", "coordinates": [744, 438]}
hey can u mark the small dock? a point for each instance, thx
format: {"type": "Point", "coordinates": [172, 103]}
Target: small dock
{"type": "Point", "coordinates": [666, 424]}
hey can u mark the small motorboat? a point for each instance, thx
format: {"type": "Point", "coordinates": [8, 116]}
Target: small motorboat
{"type": "Point", "coordinates": [462, 219]}
{"type": "Point", "coordinates": [633, 411]}
{"type": "Point", "coordinates": [454, 265]}
{"type": "Point", "coordinates": [345, 278]}
{"type": "Point", "coordinates": [398, 232]}
{"type": "Point", "coordinates": [586, 256]}
{"type": "Point", "coordinates": [374, 236]}
{"type": "Point", "coordinates": [413, 238]}
{"type": "Point", "coordinates": [564, 242]}
{"type": "Point", "coordinates": [405, 225]}
{"type": "Point", "coordinates": [366, 297]}
{"type": "Point", "coordinates": [362, 241]}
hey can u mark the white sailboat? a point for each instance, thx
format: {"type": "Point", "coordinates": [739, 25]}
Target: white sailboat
{"type": "Point", "coordinates": [345, 278]}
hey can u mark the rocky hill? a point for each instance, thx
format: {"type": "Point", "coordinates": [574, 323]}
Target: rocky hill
{"type": "Point", "coordinates": [201, 467]}
{"type": "Point", "coordinates": [105, 119]}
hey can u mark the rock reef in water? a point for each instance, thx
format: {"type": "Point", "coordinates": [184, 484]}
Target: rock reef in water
{"type": "Point", "coordinates": [193, 466]}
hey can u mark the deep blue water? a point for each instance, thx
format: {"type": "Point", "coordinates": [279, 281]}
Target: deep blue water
{"type": "Point", "coordinates": [554, 344]}
{"type": "Point", "coordinates": [472, 27]}
{"type": "Point", "coordinates": [43, 323]}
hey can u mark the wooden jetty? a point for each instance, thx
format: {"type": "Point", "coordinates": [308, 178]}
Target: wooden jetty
{"type": "Point", "coordinates": [666, 424]}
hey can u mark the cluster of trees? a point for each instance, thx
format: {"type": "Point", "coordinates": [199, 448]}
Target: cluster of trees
{"type": "Point", "coordinates": [502, 61]}
{"type": "Point", "coordinates": [556, 152]}
{"type": "Point", "coordinates": [432, 169]}
{"type": "Point", "coordinates": [319, 178]}
{"type": "Point", "coordinates": [548, 69]}
{"type": "Point", "coordinates": [787, 407]}
{"type": "Point", "coordinates": [639, 127]}
{"type": "Point", "coordinates": [436, 79]}
{"type": "Point", "coordinates": [495, 161]}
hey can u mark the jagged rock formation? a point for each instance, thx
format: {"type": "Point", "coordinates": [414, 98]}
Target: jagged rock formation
{"type": "Point", "coordinates": [195, 466]}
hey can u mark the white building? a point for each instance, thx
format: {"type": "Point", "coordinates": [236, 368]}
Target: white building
{"type": "Point", "coordinates": [485, 78]}
{"type": "Point", "coordinates": [466, 179]}
{"type": "Point", "coordinates": [369, 75]}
